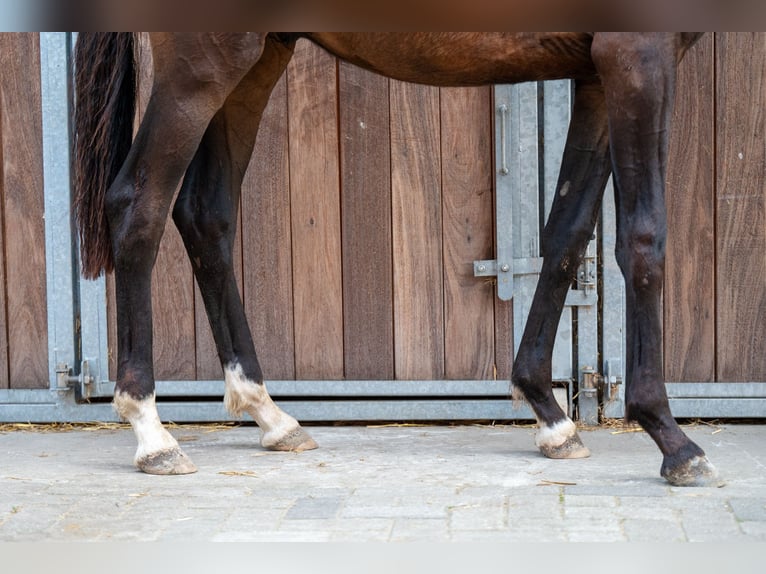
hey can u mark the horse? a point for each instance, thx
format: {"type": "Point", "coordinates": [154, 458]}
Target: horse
{"type": "Point", "coordinates": [199, 129]}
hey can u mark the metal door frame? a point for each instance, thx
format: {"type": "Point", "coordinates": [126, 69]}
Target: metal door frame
{"type": "Point", "coordinates": [79, 388]}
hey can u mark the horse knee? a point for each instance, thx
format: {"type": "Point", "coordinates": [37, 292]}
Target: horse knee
{"type": "Point", "coordinates": [134, 226]}
{"type": "Point", "coordinates": [641, 257]}
{"type": "Point", "coordinates": [200, 225]}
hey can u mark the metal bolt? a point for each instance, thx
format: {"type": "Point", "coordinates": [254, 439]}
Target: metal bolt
{"type": "Point", "coordinates": [482, 268]}
{"type": "Point", "coordinates": [505, 268]}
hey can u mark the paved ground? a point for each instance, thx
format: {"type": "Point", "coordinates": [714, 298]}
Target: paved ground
{"type": "Point", "coordinates": [422, 483]}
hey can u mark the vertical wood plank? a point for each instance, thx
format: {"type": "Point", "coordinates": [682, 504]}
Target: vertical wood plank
{"type": "Point", "coordinates": [266, 242]}
{"type": "Point", "coordinates": [366, 233]}
{"type": "Point", "coordinates": [314, 190]}
{"type": "Point", "coordinates": [741, 202]}
{"type": "Point", "coordinates": [173, 308]}
{"type": "Point", "coordinates": [23, 208]}
{"type": "Point", "coordinates": [4, 379]}
{"type": "Point", "coordinates": [417, 226]}
{"type": "Point", "coordinates": [503, 339]}
{"type": "Point", "coordinates": [466, 154]}
{"type": "Point", "coordinates": [689, 298]}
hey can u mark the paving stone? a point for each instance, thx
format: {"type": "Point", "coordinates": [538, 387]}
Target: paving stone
{"type": "Point", "coordinates": [754, 530]}
{"type": "Point", "coordinates": [750, 509]}
{"type": "Point", "coordinates": [587, 500]}
{"type": "Point", "coordinates": [314, 507]}
{"type": "Point", "coordinates": [420, 529]}
{"type": "Point", "coordinates": [478, 517]}
{"type": "Point", "coordinates": [648, 530]}
{"type": "Point", "coordinates": [377, 484]}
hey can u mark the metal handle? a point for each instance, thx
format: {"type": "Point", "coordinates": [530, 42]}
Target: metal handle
{"type": "Point", "coordinates": [503, 139]}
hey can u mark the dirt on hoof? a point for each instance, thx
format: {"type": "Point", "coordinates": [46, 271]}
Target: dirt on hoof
{"type": "Point", "coordinates": [572, 447]}
{"type": "Point", "coordinates": [296, 440]}
{"type": "Point", "coordinates": [697, 471]}
{"type": "Point", "coordinates": [166, 462]}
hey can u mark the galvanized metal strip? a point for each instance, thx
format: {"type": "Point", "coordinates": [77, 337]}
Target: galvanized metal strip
{"type": "Point", "coordinates": [60, 269]}
{"type": "Point", "coordinates": [503, 196]}
{"type": "Point", "coordinates": [716, 390]}
{"type": "Point", "coordinates": [613, 307]}
{"type": "Point", "coordinates": [525, 184]}
{"type": "Point", "coordinates": [718, 408]}
{"type": "Point", "coordinates": [557, 110]}
{"type": "Point", "coordinates": [344, 388]}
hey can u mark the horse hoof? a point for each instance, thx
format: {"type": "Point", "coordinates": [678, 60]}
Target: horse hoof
{"type": "Point", "coordinates": [297, 440]}
{"type": "Point", "coordinates": [561, 440]}
{"type": "Point", "coordinates": [169, 461]}
{"type": "Point", "coordinates": [696, 471]}
{"type": "Point", "coordinates": [572, 447]}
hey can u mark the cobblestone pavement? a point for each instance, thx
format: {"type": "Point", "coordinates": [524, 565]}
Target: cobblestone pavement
{"type": "Point", "coordinates": [390, 483]}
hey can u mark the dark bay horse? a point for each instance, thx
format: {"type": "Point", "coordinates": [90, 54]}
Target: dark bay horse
{"type": "Point", "coordinates": [200, 126]}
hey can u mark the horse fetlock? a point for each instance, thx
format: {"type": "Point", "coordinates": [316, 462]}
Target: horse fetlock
{"type": "Point", "coordinates": [280, 430]}
{"type": "Point", "coordinates": [157, 452]}
{"type": "Point", "coordinates": [560, 440]}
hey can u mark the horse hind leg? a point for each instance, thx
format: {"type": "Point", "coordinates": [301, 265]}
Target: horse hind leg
{"type": "Point", "coordinates": [206, 215]}
{"type": "Point", "coordinates": [582, 178]}
{"type": "Point", "coordinates": [639, 79]}
{"type": "Point", "coordinates": [137, 204]}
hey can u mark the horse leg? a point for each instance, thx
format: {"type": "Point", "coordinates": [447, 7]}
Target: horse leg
{"type": "Point", "coordinates": [582, 178]}
{"type": "Point", "coordinates": [206, 216]}
{"type": "Point", "coordinates": [193, 77]}
{"type": "Point", "coordinates": [639, 80]}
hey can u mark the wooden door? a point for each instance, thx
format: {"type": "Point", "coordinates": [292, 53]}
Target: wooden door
{"type": "Point", "coordinates": [364, 206]}
{"type": "Point", "coordinates": [367, 200]}
{"type": "Point", "coordinates": [23, 313]}
{"type": "Point", "coordinates": [715, 290]}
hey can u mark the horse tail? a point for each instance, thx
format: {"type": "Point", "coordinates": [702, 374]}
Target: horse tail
{"type": "Point", "coordinates": [105, 95]}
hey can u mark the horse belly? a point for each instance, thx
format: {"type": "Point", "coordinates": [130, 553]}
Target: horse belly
{"type": "Point", "coordinates": [465, 58]}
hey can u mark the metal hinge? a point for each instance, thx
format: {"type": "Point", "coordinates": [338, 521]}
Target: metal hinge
{"type": "Point", "coordinates": [81, 384]}
{"type": "Point", "coordinates": [587, 396]}
{"type": "Point", "coordinates": [505, 272]}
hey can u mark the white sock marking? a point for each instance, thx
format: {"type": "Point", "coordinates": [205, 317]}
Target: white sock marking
{"type": "Point", "coordinates": [243, 394]}
{"type": "Point", "coordinates": [142, 416]}
{"type": "Point", "coordinates": [555, 435]}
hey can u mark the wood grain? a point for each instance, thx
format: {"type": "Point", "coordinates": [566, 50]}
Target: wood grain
{"type": "Point", "coordinates": [314, 191]}
{"type": "Point", "coordinates": [173, 307]}
{"type": "Point", "coordinates": [267, 245]}
{"type": "Point", "coordinates": [466, 153]}
{"type": "Point", "coordinates": [417, 229]}
{"type": "Point", "coordinates": [4, 380]}
{"type": "Point", "coordinates": [366, 233]}
{"type": "Point", "coordinates": [23, 210]}
{"type": "Point", "coordinates": [741, 198]}
{"type": "Point", "coordinates": [689, 297]}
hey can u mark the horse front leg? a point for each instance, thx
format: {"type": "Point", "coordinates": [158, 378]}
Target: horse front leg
{"type": "Point", "coordinates": [639, 74]}
{"type": "Point", "coordinates": [137, 203]}
{"type": "Point", "coordinates": [206, 216]}
{"type": "Point", "coordinates": [582, 178]}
